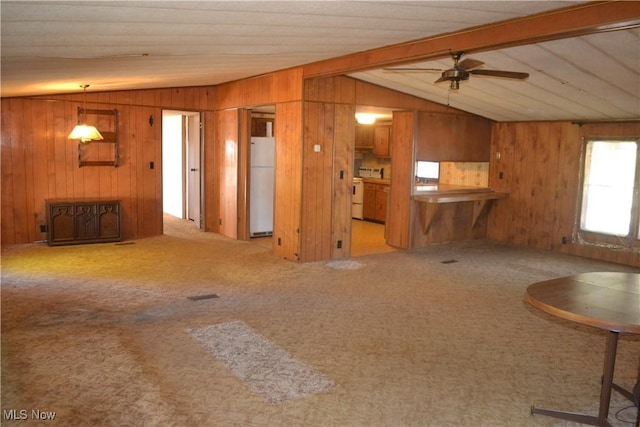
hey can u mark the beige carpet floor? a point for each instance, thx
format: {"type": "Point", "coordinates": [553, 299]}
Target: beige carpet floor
{"type": "Point", "coordinates": [99, 335]}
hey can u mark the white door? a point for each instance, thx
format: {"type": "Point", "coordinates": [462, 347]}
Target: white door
{"type": "Point", "coordinates": [194, 174]}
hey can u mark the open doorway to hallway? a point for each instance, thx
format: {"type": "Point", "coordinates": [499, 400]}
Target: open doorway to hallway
{"type": "Point", "coordinates": [181, 166]}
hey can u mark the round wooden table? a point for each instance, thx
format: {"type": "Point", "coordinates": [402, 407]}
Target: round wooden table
{"type": "Point", "coordinates": [609, 301]}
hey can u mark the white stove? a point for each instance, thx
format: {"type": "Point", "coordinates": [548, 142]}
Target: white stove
{"type": "Point", "coordinates": [357, 197]}
{"type": "Point", "coordinates": [371, 173]}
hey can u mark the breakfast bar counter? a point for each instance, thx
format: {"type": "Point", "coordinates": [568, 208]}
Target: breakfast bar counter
{"type": "Point", "coordinates": [431, 196]}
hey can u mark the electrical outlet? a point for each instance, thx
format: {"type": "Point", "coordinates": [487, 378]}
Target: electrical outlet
{"type": "Point", "coordinates": [339, 244]}
{"type": "Point", "coordinates": [43, 228]}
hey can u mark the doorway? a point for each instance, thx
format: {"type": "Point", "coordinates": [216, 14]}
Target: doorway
{"type": "Point", "coordinates": [261, 174]}
{"type": "Point", "coordinates": [371, 171]}
{"type": "Point", "coordinates": [181, 166]}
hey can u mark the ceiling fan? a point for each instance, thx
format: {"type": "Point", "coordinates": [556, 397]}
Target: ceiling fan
{"type": "Point", "coordinates": [462, 70]}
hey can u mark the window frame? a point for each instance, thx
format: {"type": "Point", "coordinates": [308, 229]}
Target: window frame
{"type": "Point", "coordinates": [632, 239]}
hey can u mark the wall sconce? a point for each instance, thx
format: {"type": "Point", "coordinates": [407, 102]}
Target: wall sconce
{"type": "Point", "coordinates": [365, 118]}
{"type": "Point", "coordinates": [84, 132]}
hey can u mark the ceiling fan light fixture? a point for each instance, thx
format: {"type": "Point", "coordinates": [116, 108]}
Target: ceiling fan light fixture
{"type": "Point", "coordinates": [82, 131]}
{"type": "Point", "coordinates": [455, 85]}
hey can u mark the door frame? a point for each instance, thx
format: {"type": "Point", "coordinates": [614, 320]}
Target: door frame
{"type": "Point", "coordinates": [186, 114]}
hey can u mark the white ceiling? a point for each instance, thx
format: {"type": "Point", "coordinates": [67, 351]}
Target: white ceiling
{"type": "Point", "coordinates": [595, 77]}
{"type": "Point", "coordinates": [55, 46]}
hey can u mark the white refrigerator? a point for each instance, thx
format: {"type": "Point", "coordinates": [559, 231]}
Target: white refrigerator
{"type": "Point", "coordinates": [262, 181]}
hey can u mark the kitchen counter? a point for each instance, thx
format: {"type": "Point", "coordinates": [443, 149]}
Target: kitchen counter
{"type": "Point", "coordinates": [377, 181]}
{"type": "Point", "coordinates": [438, 189]}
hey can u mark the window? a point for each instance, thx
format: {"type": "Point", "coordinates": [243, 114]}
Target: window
{"type": "Point", "coordinates": [427, 171]}
{"type": "Point", "coordinates": [610, 207]}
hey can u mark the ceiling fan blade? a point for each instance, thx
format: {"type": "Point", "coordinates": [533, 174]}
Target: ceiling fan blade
{"type": "Point", "coordinates": [469, 63]}
{"type": "Point", "coordinates": [441, 79]}
{"type": "Point", "coordinates": [410, 70]}
{"type": "Point", "coordinates": [499, 73]}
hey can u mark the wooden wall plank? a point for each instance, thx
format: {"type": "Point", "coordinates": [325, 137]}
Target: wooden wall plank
{"type": "Point", "coordinates": [12, 125]}
{"type": "Point", "coordinates": [30, 136]}
{"type": "Point", "coordinates": [125, 174]}
{"type": "Point", "coordinates": [244, 157]}
{"type": "Point", "coordinates": [40, 175]}
{"type": "Point", "coordinates": [500, 171]}
{"type": "Point", "coordinates": [211, 197]}
{"type": "Point", "coordinates": [343, 173]}
{"type": "Point", "coordinates": [309, 242]}
{"type": "Point", "coordinates": [227, 156]}
{"type": "Point", "coordinates": [452, 137]}
{"type": "Point", "coordinates": [319, 119]}
{"type": "Point", "coordinates": [288, 185]}
{"type": "Point", "coordinates": [398, 223]}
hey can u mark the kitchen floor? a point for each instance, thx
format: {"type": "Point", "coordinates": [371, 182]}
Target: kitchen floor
{"type": "Point", "coordinates": [367, 238]}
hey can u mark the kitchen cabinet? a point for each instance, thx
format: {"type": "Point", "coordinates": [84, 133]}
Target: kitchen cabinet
{"type": "Point", "coordinates": [374, 137]}
{"type": "Point", "coordinates": [259, 126]}
{"type": "Point", "coordinates": [364, 136]}
{"type": "Point", "coordinates": [381, 141]}
{"type": "Point", "coordinates": [72, 222]}
{"type": "Point", "coordinates": [374, 204]}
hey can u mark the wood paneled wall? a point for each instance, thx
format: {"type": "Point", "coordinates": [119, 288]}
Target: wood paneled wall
{"type": "Point", "coordinates": [328, 172]}
{"type": "Point", "coordinates": [452, 137]}
{"type": "Point", "coordinates": [40, 163]}
{"type": "Point", "coordinates": [317, 186]}
{"type": "Point", "coordinates": [280, 86]}
{"type": "Point", "coordinates": [343, 153]}
{"type": "Point", "coordinates": [284, 90]}
{"type": "Point", "coordinates": [227, 155]}
{"type": "Point", "coordinates": [399, 211]}
{"type": "Point", "coordinates": [540, 165]}
{"type": "Point", "coordinates": [288, 185]}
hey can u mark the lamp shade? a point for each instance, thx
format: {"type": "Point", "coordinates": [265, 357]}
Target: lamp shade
{"type": "Point", "coordinates": [85, 133]}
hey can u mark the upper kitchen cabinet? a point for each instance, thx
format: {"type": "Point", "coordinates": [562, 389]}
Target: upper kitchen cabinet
{"type": "Point", "coordinates": [262, 126]}
{"type": "Point", "coordinates": [375, 138]}
{"type": "Point", "coordinates": [452, 137]}
{"type": "Point", "coordinates": [381, 138]}
{"type": "Point", "coordinates": [364, 136]}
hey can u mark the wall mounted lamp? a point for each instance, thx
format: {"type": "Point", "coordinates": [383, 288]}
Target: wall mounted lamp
{"type": "Point", "coordinates": [84, 132]}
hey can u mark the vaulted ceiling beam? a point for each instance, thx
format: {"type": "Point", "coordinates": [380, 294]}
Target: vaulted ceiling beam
{"type": "Point", "coordinates": [574, 21]}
